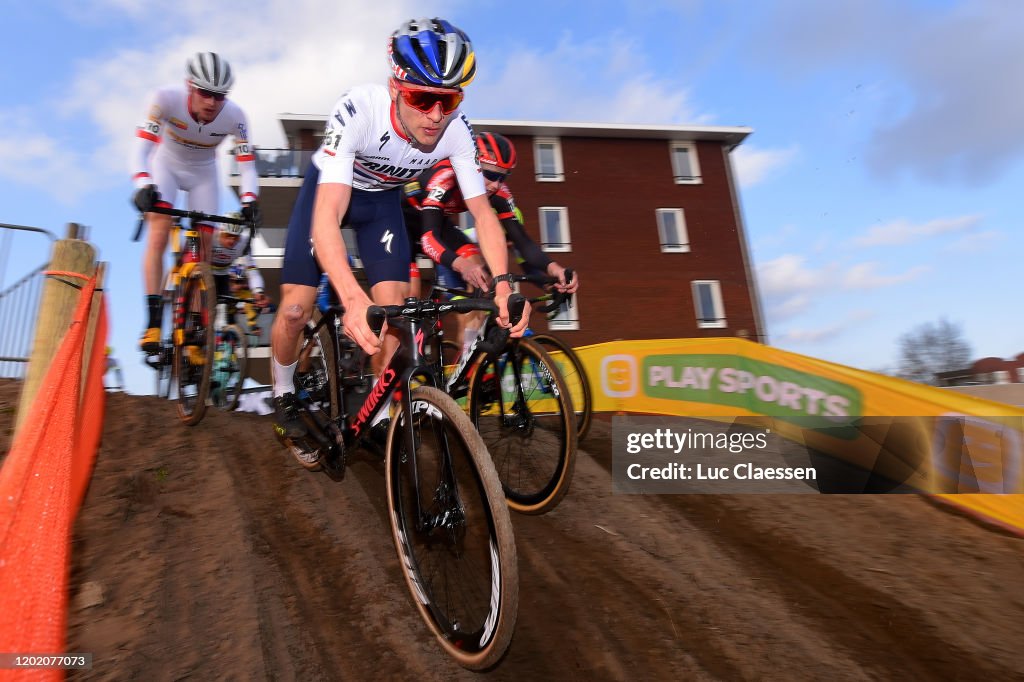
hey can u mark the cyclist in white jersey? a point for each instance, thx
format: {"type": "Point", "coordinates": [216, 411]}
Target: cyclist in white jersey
{"type": "Point", "coordinates": [176, 151]}
{"type": "Point", "coordinates": [229, 253]}
{"type": "Point", "coordinates": [375, 140]}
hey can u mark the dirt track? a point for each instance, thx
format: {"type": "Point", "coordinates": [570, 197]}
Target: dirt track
{"type": "Point", "coordinates": [218, 557]}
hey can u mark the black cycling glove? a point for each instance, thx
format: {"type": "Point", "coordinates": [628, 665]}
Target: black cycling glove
{"type": "Point", "coordinates": [251, 212]}
{"type": "Point", "coordinates": [145, 199]}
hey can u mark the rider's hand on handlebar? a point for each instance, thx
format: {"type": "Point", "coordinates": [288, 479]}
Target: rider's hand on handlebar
{"type": "Point", "coordinates": [502, 292]}
{"type": "Point", "coordinates": [251, 212]}
{"type": "Point", "coordinates": [355, 325]}
{"type": "Point", "coordinates": [260, 299]}
{"type": "Point", "coordinates": [145, 198]}
{"type": "Point", "coordinates": [556, 270]}
{"type": "Point", "coordinates": [473, 271]}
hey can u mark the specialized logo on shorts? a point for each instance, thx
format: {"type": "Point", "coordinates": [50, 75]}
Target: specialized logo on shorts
{"type": "Point", "coordinates": [386, 240]}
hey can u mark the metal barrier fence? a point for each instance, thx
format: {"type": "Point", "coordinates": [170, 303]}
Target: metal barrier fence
{"type": "Point", "coordinates": [19, 306]}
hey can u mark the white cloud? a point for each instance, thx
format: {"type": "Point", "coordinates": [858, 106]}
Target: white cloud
{"type": "Point", "coordinates": [866, 276]}
{"type": "Point", "coordinates": [790, 274]}
{"type": "Point", "coordinates": [976, 242]}
{"type": "Point", "coordinates": [276, 73]}
{"type": "Point", "coordinates": [790, 286]}
{"type": "Point", "coordinates": [537, 85]}
{"type": "Point", "coordinates": [753, 165]}
{"type": "Point", "coordinates": [942, 77]}
{"type": "Point", "coordinates": [902, 231]}
{"type": "Point", "coordinates": [811, 335]}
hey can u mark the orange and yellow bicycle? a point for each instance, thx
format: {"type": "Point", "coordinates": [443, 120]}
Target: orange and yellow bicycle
{"type": "Point", "coordinates": [185, 360]}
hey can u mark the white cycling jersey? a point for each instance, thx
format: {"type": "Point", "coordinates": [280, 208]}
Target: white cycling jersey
{"type": "Point", "coordinates": [223, 258]}
{"type": "Point", "coordinates": [364, 146]}
{"type": "Point", "coordinates": [176, 152]}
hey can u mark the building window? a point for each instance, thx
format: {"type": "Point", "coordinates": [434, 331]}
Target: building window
{"type": "Point", "coordinates": [568, 317]}
{"type": "Point", "coordinates": [554, 228]}
{"type": "Point", "coordinates": [547, 151]}
{"type": "Point", "coordinates": [707, 300]}
{"type": "Point", "coordinates": [685, 167]}
{"type": "Point", "coordinates": [672, 230]}
{"type": "Point", "coordinates": [1020, 374]}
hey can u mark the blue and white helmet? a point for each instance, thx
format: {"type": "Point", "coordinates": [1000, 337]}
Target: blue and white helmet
{"type": "Point", "coordinates": [432, 52]}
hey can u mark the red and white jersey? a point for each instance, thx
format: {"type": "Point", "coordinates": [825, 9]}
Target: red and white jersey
{"type": "Point", "coordinates": [364, 147]}
{"type": "Point", "coordinates": [170, 132]}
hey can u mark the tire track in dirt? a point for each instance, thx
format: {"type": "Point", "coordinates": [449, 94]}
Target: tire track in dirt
{"type": "Point", "coordinates": [219, 557]}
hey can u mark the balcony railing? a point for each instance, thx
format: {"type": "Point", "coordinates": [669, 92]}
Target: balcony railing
{"type": "Point", "coordinates": [279, 163]}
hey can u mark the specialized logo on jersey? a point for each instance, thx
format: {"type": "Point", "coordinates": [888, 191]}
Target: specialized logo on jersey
{"type": "Point", "coordinates": [177, 123]}
{"type": "Point", "coordinates": [384, 140]}
{"type": "Point", "coordinates": [386, 240]}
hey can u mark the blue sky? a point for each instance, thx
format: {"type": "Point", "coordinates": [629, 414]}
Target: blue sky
{"type": "Point", "coordinates": [880, 188]}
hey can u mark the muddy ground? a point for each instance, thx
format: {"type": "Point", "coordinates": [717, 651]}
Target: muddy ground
{"type": "Point", "coordinates": [207, 553]}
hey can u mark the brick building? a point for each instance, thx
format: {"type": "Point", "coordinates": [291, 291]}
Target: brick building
{"type": "Point", "coordinates": [648, 215]}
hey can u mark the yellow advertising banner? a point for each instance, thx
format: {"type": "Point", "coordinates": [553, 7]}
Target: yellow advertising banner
{"type": "Point", "coordinates": [925, 438]}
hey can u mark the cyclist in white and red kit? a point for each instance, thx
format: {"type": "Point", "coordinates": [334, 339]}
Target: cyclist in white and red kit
{"type": "Point", "coordinates": [176, 151]}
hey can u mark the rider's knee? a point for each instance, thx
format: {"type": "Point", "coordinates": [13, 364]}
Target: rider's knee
{"type": "Point", "coordinates": [294, 315]}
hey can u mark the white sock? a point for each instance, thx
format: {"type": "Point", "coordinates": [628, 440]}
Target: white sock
{"type": "Point", "coordinates": [284, 377]}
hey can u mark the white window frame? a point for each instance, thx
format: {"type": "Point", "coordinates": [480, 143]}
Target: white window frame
{"type": "Point", "coordinates": [691, 148]}
{"type": "Point", "coordinates": [717, 319]}
{"type": "Point", "coordinates": [556, 247]}
{"type": "Point", "coordinates": [559, 174]}
{"type": "Point", "coordinates": [683, 246]}
{"type": "Point", "coordinates": [568, 318]}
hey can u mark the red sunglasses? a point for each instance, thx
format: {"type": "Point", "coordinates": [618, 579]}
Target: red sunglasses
{"type": "Point", "coordinates": [425, 100]}
{"type": "Point", "coordinates": [208, 94]}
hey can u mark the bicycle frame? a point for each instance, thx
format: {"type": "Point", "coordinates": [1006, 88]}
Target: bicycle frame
{"type": "Point", "coordinates": [395, 382]}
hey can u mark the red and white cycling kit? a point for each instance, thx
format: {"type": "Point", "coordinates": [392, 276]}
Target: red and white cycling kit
{"type": "Point", "coordinates": [176, 152]}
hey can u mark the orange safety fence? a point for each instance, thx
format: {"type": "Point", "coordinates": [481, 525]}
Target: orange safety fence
{"type": "Point", "coordinates": [41, 485]}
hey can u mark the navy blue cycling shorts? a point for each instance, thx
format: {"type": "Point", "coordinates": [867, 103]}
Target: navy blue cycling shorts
{"type": "Point", "coordinates": [375, 217]}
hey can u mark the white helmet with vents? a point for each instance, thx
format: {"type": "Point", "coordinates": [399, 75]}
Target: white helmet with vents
{"type": "Point", "coordinates": [210, 71]}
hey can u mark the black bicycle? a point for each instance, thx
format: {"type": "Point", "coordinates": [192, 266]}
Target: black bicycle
{"type": "Point", "coordinates": [449, 521]}
{"type": "Point", "coordinates": [519, 401]}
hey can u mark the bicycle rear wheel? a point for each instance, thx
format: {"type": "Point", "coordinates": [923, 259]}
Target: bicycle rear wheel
{"type": "Point", "coordinates": [575, 379]}
{"type": "Point", "coordinates": [193, 343]}
{"type": "Point", "coordinates": [315, 371]}
{"type": "Point", "coordinates": [452, 530]}
{"type": "Point", "coordinates": [519, 402]}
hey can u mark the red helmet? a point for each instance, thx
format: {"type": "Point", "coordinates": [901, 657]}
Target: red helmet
{"type": "Point", "coordinates": [495, 150]}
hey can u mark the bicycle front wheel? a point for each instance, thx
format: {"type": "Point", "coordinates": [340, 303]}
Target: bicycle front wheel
{"type": "Point", "coordinates": [232, 361]}
{"type": "Point", "coordinates": [452, 530]}
{"type": "Point", "coordinates": [520, 404]}
{"type": "Point", "coordinates": [193, 343]}
{"type": "Point", "coordinates": [575, 379]}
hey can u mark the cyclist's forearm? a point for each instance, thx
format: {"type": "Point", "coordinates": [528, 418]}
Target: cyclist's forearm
{"type": "Point", "coordinates": [332, 200]}
{"type": "Point", "coordinates": [492, 240]}
{"type": "Point", "coordinates": [527, 248]}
